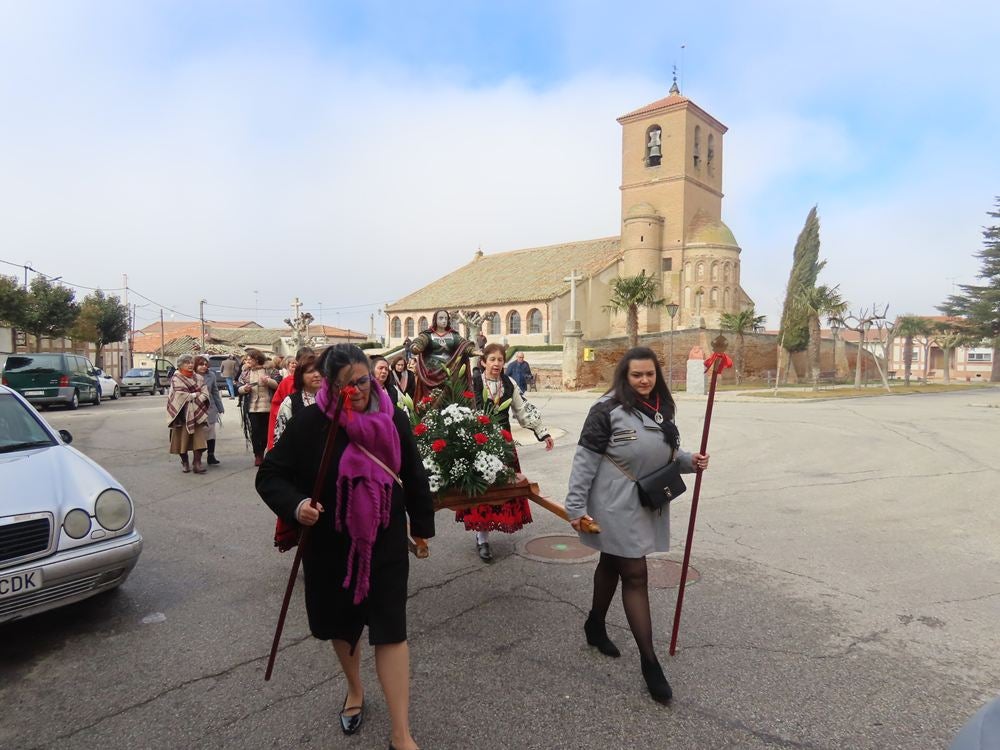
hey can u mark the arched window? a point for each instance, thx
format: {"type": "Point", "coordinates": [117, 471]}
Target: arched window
{"type": "Point", "coordinates": [653, 146]}
{"type": "Point", "coordinates": [687, 272]}
{"type": "Point", "coordinates": [534, 321]}
{"type": "Point", "coordinates": [725, 299]}
{"type": "Point", "coordinates": [715, 271]}
{"type": "Point", "coordinates": [687, 298]}
{"type": "Point", "coordinates": [711, 153]}
{"type": "Point", "coordinates": [397, 328]}
{"type": "Point", "coordinates": [696, 151]}
{"type": "Point", "coordinates": [491, 324]}
{"type": "Point", "coordinates": [713, 297]}
{"type": "Point", "coordinates": [701, 271]}
{"type": "Point", "coordinates": [422, 323]}
{"type": "Point", "coordinates": [726, 270]}
{"type": "Point", "coordinates": [513, 323]}
{"type": "Point", "coordinates": [409, 328]}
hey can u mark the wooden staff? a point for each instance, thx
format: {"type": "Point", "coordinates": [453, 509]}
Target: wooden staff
{"type": "Point", "coordinates": [718, 361]}
{"type": "Point", "coordinates": [324, 465]}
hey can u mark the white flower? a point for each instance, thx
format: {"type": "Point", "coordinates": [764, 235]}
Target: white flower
{"type": "Point", "coordinates": [488, 466]}
{"type": "Point", "coordinates": [434, 481]}
{"type": "Point", "coordinates": [459, 469]}
{"type": "Point", "coordinates": [453, 413]}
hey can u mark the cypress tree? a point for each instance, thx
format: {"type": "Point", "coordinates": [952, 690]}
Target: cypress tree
{"type": "Point", "coordinates": [806, 266]}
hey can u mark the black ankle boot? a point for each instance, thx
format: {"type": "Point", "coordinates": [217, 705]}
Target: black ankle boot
{"type": "Point", "coordinates": [656, 681]}
{"type": "Point", "coordinates": [212, 461]}
{"type": "Point", "coordinates": [597, 635]}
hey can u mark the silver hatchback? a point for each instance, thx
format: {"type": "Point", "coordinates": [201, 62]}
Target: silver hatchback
{"type": "Point", "coordinates": [67, 527]}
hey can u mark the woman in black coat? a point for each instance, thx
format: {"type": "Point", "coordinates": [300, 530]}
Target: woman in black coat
{"type": "Point", "coordinates": [356, 563]}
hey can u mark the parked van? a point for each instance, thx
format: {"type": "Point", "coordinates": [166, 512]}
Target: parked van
{"type": "Point", "coordinates": [50, 378]}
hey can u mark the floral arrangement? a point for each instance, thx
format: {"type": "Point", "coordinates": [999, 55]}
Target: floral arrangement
{"type": "Point", "coordinates": [462, 448]}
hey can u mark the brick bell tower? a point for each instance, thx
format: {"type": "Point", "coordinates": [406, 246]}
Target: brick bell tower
{"type": "Point", "coordinates": [671, 192]}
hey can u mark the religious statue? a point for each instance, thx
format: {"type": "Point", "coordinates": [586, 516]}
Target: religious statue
{"type": "Point", "coordinates": [440, 350]}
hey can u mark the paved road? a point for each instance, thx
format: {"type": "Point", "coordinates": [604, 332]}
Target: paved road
{"type": "Point", "coordinates": [849, 598]}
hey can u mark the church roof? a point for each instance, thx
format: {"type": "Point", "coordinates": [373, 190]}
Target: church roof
{"type": "Point", "coordinates": [667, 101]}
{"type": "Point", "coordinates": [673, 100]}
{"type": "Point", "coordinates": [704, 230]}
{"type": "Point", "coordinates": [535, 273]}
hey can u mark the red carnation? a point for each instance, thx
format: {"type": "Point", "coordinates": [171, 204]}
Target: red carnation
{"type": "Point", "coordinates": [506, 435]}
{"type": "Point", "coordinates": [483, 419]}
{"type": "Point", "coordinates": [426, 400]}
{"type": "Point", "coordinates": [468, 394]}
{"type": "Point", "coordinates": [480, 438]}
{"type": "Point", "coordinates": [438, 445]}
{"type": "Point", "coordinates": [420, 429]}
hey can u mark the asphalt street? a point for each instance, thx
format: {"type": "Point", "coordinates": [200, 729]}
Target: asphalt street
{"type": "Point", "coordinates": [849, 597]}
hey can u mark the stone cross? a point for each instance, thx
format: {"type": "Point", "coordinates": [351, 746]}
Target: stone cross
{"type": "Point", "coordinates": [296, 306]}
{"type": "Point", "coordinates": [572, 279]}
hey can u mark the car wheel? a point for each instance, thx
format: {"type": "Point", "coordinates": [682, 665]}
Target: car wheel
{"type": "Point", "coordinates": [74, 402]}
{"type": "Point", "coordinates": [116, 395]}
{"type": "Point", "coordinates": [152, 392]}
{"type": "Point", "coordinates": [97, 398]}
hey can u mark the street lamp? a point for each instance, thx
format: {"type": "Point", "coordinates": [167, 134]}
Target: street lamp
{"type": "Point", "coordinates": [672, 309]}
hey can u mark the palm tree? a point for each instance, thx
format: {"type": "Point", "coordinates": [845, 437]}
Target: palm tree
{"type": "Point", "coordinates": [743, 322]}
{"type": "Point", "coordinates": [816, 302]}
{"type": "Point", "coordinates": [909, 326]}
{"type": "Point", "coordinates": [628, 294]}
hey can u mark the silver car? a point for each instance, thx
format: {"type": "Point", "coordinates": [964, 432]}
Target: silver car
{"type": "Point", "coordinates": [67, 527]}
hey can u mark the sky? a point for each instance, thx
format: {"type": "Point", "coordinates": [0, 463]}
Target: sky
{"type": "Point", "coordinates": [247, 153]}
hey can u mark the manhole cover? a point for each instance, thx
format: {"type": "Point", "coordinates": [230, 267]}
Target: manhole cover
{"type": "Point", "coordinates": [557, 547]}
{"type": "Point", "coordinates": [666, 574]}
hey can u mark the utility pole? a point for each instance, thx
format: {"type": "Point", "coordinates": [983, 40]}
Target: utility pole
{"type": "Point", "coordinates": [162, 335]}
{"type": "Point", "coordinates": [201, 315]}
{"type": "Point", "coordinates": [131, 320]}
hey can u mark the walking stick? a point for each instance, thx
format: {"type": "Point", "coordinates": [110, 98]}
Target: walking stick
{"type": "Point", "coordinates": [304, 535]}
{"type": "Point", "coordinates": [718, 361]}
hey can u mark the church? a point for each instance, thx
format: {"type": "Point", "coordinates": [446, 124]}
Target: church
{"type": "Point", "coordinates": [671, 228]}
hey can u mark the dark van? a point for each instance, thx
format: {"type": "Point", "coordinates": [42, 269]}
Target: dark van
{"type": "Point", "coordinates": [52, 378]}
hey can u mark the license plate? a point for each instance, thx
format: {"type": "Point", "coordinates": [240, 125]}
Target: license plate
{"type": "Point", "coordinates": [20, 583]}
{"type": "Point", "coordinates": [34, 393]}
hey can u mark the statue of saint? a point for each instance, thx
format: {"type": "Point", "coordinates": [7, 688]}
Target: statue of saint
{"type": "Point", "coordinates": [437, 348]}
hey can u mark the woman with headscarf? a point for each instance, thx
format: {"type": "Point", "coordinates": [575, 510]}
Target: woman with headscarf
{"type": "Point", "coordinates": [187, 414]}
{"type": "Point", "coordinates": [356, 562]}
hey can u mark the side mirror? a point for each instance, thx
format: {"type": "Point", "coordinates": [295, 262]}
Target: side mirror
{"type": "Point", "coordinates": [66, 437]}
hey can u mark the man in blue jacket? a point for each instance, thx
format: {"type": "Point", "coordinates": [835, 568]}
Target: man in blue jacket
{"type": "Point", "coordinates": [520, 372]}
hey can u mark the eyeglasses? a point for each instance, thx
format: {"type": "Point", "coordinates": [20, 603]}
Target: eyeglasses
{"type": "Point", "coordinates": [363, 382]}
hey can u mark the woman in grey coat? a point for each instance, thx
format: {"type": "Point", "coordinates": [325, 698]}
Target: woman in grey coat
{"type": "Point", "coordinates": [215, 407]}
{"type": "Point", "coordinates": [629, 433]}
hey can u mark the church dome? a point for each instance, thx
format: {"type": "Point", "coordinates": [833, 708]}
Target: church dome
{"type": "Point", "coordinates": [704, 230]}
{"type": "Point", "coordinates": [640, 210]}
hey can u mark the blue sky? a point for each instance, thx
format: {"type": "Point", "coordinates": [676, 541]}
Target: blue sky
{"type": "Point", "coordinates": [348, 153]}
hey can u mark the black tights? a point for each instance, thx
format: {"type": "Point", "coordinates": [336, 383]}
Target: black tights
{"type": "Point", "coordinates": [635, 597]}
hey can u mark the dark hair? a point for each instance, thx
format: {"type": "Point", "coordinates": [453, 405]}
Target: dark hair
{"type": "Point", "coordinates": [302, 352]}
{"type": "Point", "coordinates": [433, 323]}
{"type": "Point", "coordinates": [490, 348]}
{"type": "Point", "coordinates": [625, 394]}
{"type": "Point", "coordinates": [339, 356]}
{"type": "Point", "coordinates": [257, 356]}
{"type": "Point", "coordinates": [396, 360]}
{"type": "Point", "coordinates": [199, 361]}
{"type": "Point", "coordinates": [305, 362]}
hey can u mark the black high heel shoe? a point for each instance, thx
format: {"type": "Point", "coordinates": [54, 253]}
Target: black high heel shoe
{"type": "Point", "coordinates": [597, 635]}
{"type": "Point", "coordinates": [656, 681]}
{"type": "Point", "coordinates": [351, 724]}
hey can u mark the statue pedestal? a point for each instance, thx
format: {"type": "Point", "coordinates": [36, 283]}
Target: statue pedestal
{"type": "Point", "coordinates": [572, 354]}
{"type": "Point", "coordinates": [696, 372]}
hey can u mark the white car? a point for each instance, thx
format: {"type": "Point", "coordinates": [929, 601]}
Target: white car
{"type": "Point", "coordinates": [67, 527]}
{"type": "Point", "coordinates": [109, 386]}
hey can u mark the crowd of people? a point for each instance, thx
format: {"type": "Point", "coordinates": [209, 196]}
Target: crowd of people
{"type": "Point", "coordinates": [342, 409]}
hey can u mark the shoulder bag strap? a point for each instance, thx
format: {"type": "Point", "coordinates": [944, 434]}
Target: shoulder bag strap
{"type": "Point", "coordinates": [623, 470]}
{"type": "Point", "coordinates": [375, 458]}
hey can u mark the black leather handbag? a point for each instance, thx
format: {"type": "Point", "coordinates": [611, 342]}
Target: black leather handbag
{"type": "Point", "coordinates": [658, 488]}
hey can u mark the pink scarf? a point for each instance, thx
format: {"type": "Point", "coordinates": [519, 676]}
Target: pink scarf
{"type": "Point", "coordinates": [363, 487]}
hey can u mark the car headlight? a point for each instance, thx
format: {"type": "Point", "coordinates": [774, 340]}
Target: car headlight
{"type": "Point", "coordinates": [113, 510]}
{"type": "Point", "coordinates": [77, 523]}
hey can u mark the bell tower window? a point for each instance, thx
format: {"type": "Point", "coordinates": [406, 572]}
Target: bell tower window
{"type": "Point", "coordinates": [696, 153]}
{"type": "Point", "coordinates": [654, 150]}
{"type": "Point", "coordinates": [711, 154]}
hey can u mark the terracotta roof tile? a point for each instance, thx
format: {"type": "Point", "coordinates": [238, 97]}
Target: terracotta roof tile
{"type": "Point", "coordinates": [667, 101]}
{"type": "Point", "coordinates": [516, 276]}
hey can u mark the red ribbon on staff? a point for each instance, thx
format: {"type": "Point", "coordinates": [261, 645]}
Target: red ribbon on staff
{"type": "Point", "coordinates": [726, 360]}
{"type": "Point", "coordinates": [718, 362]}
